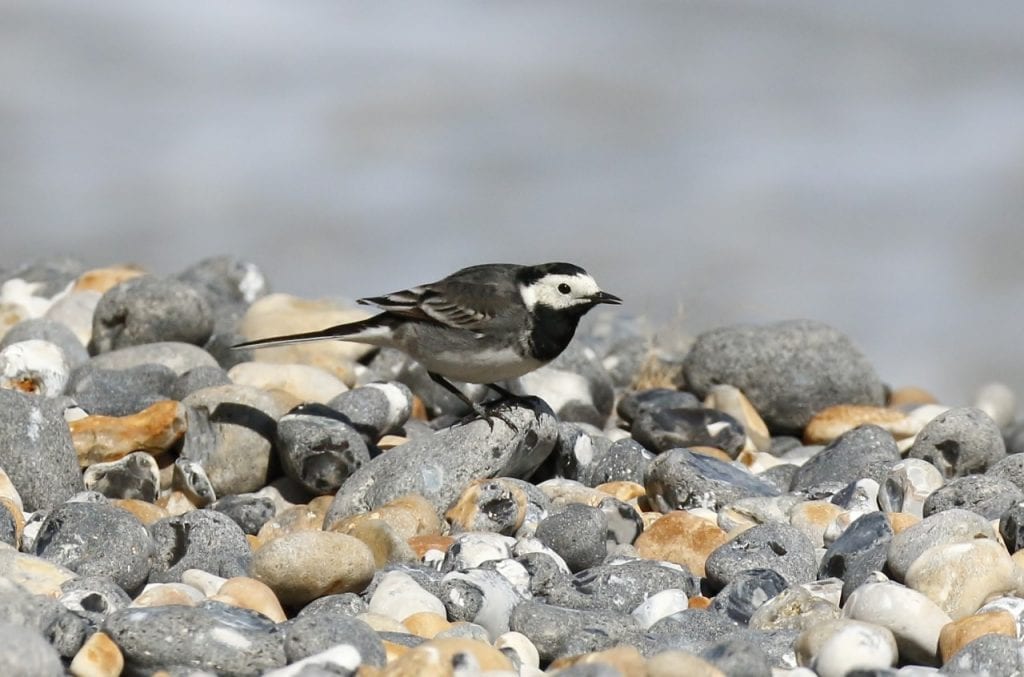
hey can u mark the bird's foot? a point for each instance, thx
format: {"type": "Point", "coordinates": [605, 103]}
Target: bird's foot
{"type": "Point", "coordinates": [488, 411]}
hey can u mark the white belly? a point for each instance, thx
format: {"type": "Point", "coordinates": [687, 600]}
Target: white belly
{"type": "Point", "coordinates": [484, 366]}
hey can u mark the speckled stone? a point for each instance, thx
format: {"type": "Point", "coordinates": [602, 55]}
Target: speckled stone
{"type": "Point", "coordinates": [779, 547]}
{"type": "Point", "coordinates": [992, 654]}
{"type": "Point", "coordinates": [988, 496]}
{"type": "Point", "coordinates": [960, 442]}
{"type": "Point", "coordinates": [557, 631]}
{"type": "Point", "coordinates": [959, 633]}
{"type": "Point", "coordinates": [577, 533]}
{"type": "Point", "coordinates": [26, 653]}
{"type": "Point", "coordinates": [120, 392]}
{"type": "Point", "coordinates": [867, 451]}
{"type": "Point", "coordinates": [302, 566]}
{"type": "Point", "coordinates": [249, 511]}
{"type": "Point", "coordinates": [199, 539]}
{"type": "Point", "coordinates": [319, 449]}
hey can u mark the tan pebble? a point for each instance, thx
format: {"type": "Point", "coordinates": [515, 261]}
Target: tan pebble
{"type": "Point", "coordinates": [680, 664]}
{"type": "Point", "coordinates": [409, 515]}
{"type": "Point", "coordinates": [419, 409]}
{"type": "Point", "coordinates": [9, 491]}
{"type": "Point", "coordinates": [626, 659]}
{"type": "Point", "coordinates": [277, 314]}
{"type": "Point", "coordinates": [203, 581]}
{"type": "Point", "coordinates": [813, 518]}
{"type": "Point", "coordinates": [426, 624]}
{"type": "Point", "coordinates": [959, 577]}
{"type": "Point", "coordinates": [911, 396]}
{"type": "Point", "coordinates": [382, 623]}
{"type": "Point", "coordinates": [698, 602]}
{"type": "Point", "coordinates": [732, 401]}
{"type": "Point", "coordinates": [713, 452]}
{"type": "Point", "coordinates": [392, 652]}
{"type": "Point", "coordinates": [681, 538]}
{"type": "Point", "coordinates": [385, 544]}
{"type": "Point", "coordinates": [102, 279]}
{"type": "Point", "coordinates": [147, 513]}
{"type": "Point", "coordinates": [421, 545]}
{"type": "Point", "coordinates": [391, 441]}
{"type": "Point", "coordinates": [35, 574]}
{"type": "Point", "coordinates": [472, 510]}
{"type": "Point", "coordinates": [176, 503]}
{"type": "Point", "coordinates": [164, 594]}
{"type": "Point", "coordinates": [300, 567]}
{"type": "Point", "coordinates": [290, 521]}
{"type": "Point", "coordinates": [98, 657]}
{"type": "Point", "coordinates": [954, 636]}
{"type": "Point", "coordinates": [562, 492]}
{"type": "Point", "coordinates": [320, 505]}
{"type": "Point", "coordinates": [303, 382]}
{"type": "Point", "coordinates": [624, 491]}
{"type": "Point", "coordinates": [901, 520]}
{"type": "Point", "coordinates": [248, 593]}
{"type": "Point", "coordinates": [155, 429]}
{"type": "Point", "coordinates": [19, 519]}
{"type": "Point", "coordinates": [441, 656]}
{"type": "Point", "coordinates": [832, 422]}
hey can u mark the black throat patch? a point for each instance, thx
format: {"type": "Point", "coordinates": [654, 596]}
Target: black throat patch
{"type": "Point", "coordinates": [552, 330]}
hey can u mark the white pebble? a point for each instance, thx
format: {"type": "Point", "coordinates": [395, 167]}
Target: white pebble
{"type": "Point", "coordinates": [34, 366]}
{"type": "Point", "coordinates": [914, 620]}
{"type": "Point", "coordinates": [520, 644]}
{"type": "Point", "coordinates": [855, 646]}
{"type": "Point", "coordinates": [343, 656]}
{"type": "Point", "coordinates": [399, 596]}
{"type": "Point", "coordinates": [477, 547]}
{"type": "Point", "coordinates": [659, 605]}
{"type": "Point", "coordinates": [998, 401]}
{"type": "Point", "coordinates": [209, 584]}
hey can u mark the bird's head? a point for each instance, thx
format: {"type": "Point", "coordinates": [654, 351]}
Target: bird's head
{"type": "Point", "coordinates": [561, 287]}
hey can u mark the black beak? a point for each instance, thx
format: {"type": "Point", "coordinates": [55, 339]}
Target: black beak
{"type": "Point", "coordinates": [605, 297]}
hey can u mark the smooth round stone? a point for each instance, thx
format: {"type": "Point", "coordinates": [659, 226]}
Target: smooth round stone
{"type": "Point", "coordinates": [620, 585]}
{"type": "Point", "coordinates": [914, 620]}
{"type": "Point", "coordinates": [788, 370]}
{"type": "Point", "coordinates": [28, 424]}
{"type": "Point", "coordinates": [120, 392]}
{"type": "Point", "coordinates": [950, 526]}
{"type": "Point", "coordinates": [959, 442]}
{"type": "Point", "coordinates": [575, 385]}
{"type": "Point", "coordinates": [319, 449]}
{"type": "Point", "coordinates": [387, 545]}
{"type": "Point", "coordinates": [101, 439]}
{"type": "Point", "coordinates": [837, 648]}
{"type": "Point", "coordinates": [306, 383]}
{"type": "Point", "coordinates": [961, 632]}
{"type": "Point", "coordinates": [197, 379]}
{"type": "Point", "coordinates": [907, 485]}
{"type": "Point", "coordinates": [998, 401]}
{"type": "Point", "coordinates": [632, 403]}
{"type": "Point", "coordinates": [496, 505]}
{"type": "Point", "coordinates": [988, 655]}
{"type": "Point", "coordinates": [177, 356]}
{"type": "Point", "coordinates": [867, 451]}
{"type": "Point", "coordinates": [577, 533]}
{"type": "Point", "coordinates": [625, 460]}
{"type": "Point", "coordinates": [988, 496]}
{"type": "Point", "coordinates": [93, 597]}
{"type": "Point", "coordinates": [165, 594]}
{"type": "Point", "coordinates": [794, 608]}
{"type": "Point", "coordinates": [97, 539]}
{"type": "Point", "coordinates": [399, 596]}
{"type": "Point", "coordinates": [479, 596]}
{"type": "Point", "coordinates": [518, 646]}
{"type": "Point", "coordinates": [248, 593]}
{"type": "Point", "coordinates": [148, 309]}
{"type": "Point", "coordinates": [664, 429]}
{"type": "Point", "coordinates": [832, 422]}
{"type": "Point", "coordinates": [75, 310]}
{"type": "Point", "coordinates": [553, 629]}
{"type": "Point", "coordinates": [691, 630]}
{"type": "Point", "coordinates": [213, 637]}
{"type": "Point", "coordinates": [440, 466]}
{"type": "Point", "coordinates": [682, 538]}
{"type": "Point", "coordinates": [54, 332]}
{"type": "Point", "coordinates": [579, 447]}
{"type": "Point", "coordinates": [861, 549]}
{"type": "Point", "coordinates": [472, 549]}
{"type": "Point", "coordinates": [660, 605]}
{"type": "Point", "coordinates": [134, 476]}
{"type": "Point", "coordinates": [34, 366]}
{"type": "Point", "coordinates": [375, 409]}
{"type": "Point", "coordinates": [191, 479]}
{"type": "Point", "coordinates": [747, 592]}
{"type": "Point", "coordinates": [311, 633]}
{"type": "Point", "coordinates": [959, 577]}
{"type": "Point", "coordinates": [230, 433]}
{"type": "Point", "coordinates": [98, 656]}
{"type": "Point", "coordinates": [199, 539]}
{"type": "Point", "coordinates": [679, 479]}
{"type": "Point", "coordinates": [779, 547]}
{"type": "Point", "coordinates": [248, 511]}
{"type": "Point", "coordinates": [26, 653]}
{"type": "Point", "coordinates": [301, 566]}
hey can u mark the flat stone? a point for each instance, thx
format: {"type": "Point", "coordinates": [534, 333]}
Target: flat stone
{"type": "Point", "coordinates": [679, 480]}
{"type": "Point", "coordinates": [120, 392]}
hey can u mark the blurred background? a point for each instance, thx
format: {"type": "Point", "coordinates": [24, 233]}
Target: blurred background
{"type": "Point", "coordinates": [711, 161]}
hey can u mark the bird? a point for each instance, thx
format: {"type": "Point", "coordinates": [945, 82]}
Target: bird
{"type": "Point", "coordinates": [482, 324]}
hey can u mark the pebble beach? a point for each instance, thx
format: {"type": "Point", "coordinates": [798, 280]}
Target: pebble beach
{"type": "Point", "coordinates": [760, 502]}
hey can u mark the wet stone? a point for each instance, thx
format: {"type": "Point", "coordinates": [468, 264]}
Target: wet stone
{"type": "Point", "coordinates": [200, 539]}
{"type": "Point", "coordinates": [780, 547]}
{"type": "Point", "coordinates": [859, 551]}
{"type": "Point", "coordinates": [319, 449]}
{"type": "Point", "coordinates": [664, 429]}
{"type": "Point", "coordinates": [959, 442]}
{"type": "Point", "coordinates": [867, 451]}
{"type": "Point", "coordinates": [988, 496]}
{"type": "Point", "coordinates": [679, 479]}
{"type": "Point", "coordinates": [134, 476]}
{"type": "Point", "coordinates": [248, 511]}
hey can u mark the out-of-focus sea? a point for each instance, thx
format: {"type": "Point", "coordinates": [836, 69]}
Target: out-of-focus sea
{"type": "Point", "coordinates": [711, 161]}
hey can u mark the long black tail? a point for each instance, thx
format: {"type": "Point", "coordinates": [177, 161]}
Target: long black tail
{"type": "Point", "coordinates": [374, 330]}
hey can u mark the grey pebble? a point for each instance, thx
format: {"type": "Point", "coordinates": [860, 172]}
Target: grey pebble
{"type": "Point", "coordinates": [959, 442]}
{"type": "Point", "coordinates": [663, 429]}
{"type": "Point", "coordinates": [25, 652]}
{"type": "Point", "coordinates": [861, 549]}
{"type": "Point", "coordinates": [64, 630]}
{"type": "Point", "coordinates": [1010, 468]}
{"type": "Point", "coordinates": [691, 630]}
{"type": "Point", "coordinates": [779, 476]}
{"type": "Point", "coordinates": [179, 357]}
{"type": "Point", "coordinates": [988, 496]}
{"type": "Point", "coordinates": [556, 630]}
{"type": "Point", "coordinates": [679, 479]}
{"type": "Point", "coordinates": [747, 592]}
{"type": "Point", "coordinates": [248, 511]}
{"type": "Point", "coordinates": [93, 597]}
{"type": "Point", "coordinates": [1011, 527]}
{"type": "Point", "coordinates": [316, 631]}
{"type": "Point", "coordinates": [617, 585]}
{"type": "Point", "coordinates": [738, 656]}
{"type": "Point", "coordinates": [480, 596]}
{"type": "Point", "coordinates": [190, 478]}
{"type": "Point", "coordinates": [788, 370]}
{"type": "Point", "coordinates": [119, 392]}
{"type": "Point", "coordinates": [867, 451]}
{"type": "Point", "coordinates": [228, 285]}
{"type": "Point", "coordinates": [318, 448]}
{"type": "Point", "coordinates": [97, 539]}
{"type": "Point", "coordinates": [213, 637]}
{"type": "Point", "coordinates": [8, 526]}
{"type": "Point", "coordinates": [197, 379]}
{"type": "Point", "coordinates": [136, 476]}
{"type": "Point", "coordinates": [147, 309]}
{"type": "Point", "coordinates": [198, 539]}
{"type": "Point", "coordinates": [632, 403]}
{"type": "Point", "coordinates": [577, 533]}
{"type": "Point", "coordinates": [626, 460]}
{"type": "Point", "coordinates": [45, 329]}
{"type": "Point", "coordinates": [579, 447]}
{"type": "Point", "coordinates": [988, 655]}
{"type": "Point", "coordinates": [346, 603]}
{"type": "Point", "coordinates": [780, 547]}
{"type": "Point", "coordinates": [1013, 436]}
{"type": "Point", "coordinates": [375, 409]}
{"type": "Point", "coordinates": [950, 526]}
{"type": "Point", "coordinates": [28, 424]}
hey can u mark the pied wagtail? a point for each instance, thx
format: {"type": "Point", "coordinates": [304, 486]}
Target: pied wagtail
{"type": "Point", "coordinates": [481, 324]}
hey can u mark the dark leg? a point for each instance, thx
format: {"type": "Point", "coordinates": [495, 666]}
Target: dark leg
{"type": "Point", "coordinates": [478, 409]}
{"type": "Point", "coordinates": [505, 393]}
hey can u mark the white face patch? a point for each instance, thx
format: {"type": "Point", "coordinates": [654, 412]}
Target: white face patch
{"type": "Point", "coordinates": [559, 291]}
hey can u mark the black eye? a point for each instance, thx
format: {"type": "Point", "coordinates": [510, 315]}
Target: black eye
{"type": "Point", "coordinates": [564, 288]}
